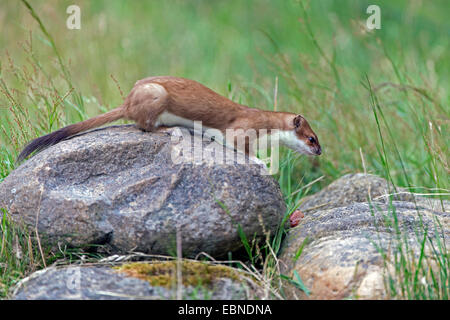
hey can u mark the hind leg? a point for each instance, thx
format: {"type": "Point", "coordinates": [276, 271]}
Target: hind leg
{"type": "Point", "coordinates": [145, 103]}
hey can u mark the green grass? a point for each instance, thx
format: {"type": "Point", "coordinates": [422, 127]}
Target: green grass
{"type": "Point", "coordinates": [413, 274]}
{"type": "Point", "coordinates": [18, 255]}
{"type": "Point", "coordinates": [407, 274]}
{"type": "Point", "coordinates": [378, 101]}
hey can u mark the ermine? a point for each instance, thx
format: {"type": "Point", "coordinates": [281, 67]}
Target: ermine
{"type": "Point", "coordinates": [167, 101]}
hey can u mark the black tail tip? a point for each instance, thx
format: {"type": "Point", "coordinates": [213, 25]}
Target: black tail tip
{"type": "Point", "coordinates": [41, 143]}
{"type": "Point", "coordinates": [22, 156]}
{"type": "Point", "coordinates": [33, 146]}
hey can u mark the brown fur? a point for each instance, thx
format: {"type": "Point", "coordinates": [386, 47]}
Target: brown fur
{"type": "Point", "coordinates": [185, 98]}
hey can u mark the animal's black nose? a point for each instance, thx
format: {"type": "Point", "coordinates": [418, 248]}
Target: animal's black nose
{"type": "Point", "coordinates": [319, 151]}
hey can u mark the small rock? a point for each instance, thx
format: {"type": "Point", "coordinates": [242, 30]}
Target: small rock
{"type": "Point", "coordinates": [295, 218]}
{"type": "Point", "coordinates": [133, 281]}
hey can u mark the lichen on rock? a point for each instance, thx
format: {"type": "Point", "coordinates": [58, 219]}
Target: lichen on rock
{"type": "Point", "coordinates": [164, 274]}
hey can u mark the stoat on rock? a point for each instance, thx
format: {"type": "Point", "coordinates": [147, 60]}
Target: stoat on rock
{"type": "Point", "coordinates": [171, 101]}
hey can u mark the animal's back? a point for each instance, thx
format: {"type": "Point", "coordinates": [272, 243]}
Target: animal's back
{"type": "Point", "coordinates": [192, 100]}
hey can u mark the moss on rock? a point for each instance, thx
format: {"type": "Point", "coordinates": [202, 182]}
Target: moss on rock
{"type": "Point", "coordinates": [164, 274]}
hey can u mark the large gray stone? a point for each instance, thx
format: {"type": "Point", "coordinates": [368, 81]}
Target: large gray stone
{"type": "Point", "coordinates": [343, 238]}
{"type": "Point", "coordinates": [118, 187]}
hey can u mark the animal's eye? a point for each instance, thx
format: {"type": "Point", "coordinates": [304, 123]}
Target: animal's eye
{"type": "Point", "coordinates": [312, 140]}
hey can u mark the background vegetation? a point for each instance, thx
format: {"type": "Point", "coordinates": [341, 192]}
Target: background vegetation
{"type": "Point", "coordinates": [378, 100]}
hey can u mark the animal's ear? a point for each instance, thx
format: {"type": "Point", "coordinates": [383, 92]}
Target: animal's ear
{"type": "Point", "coordinates": [298, 121]}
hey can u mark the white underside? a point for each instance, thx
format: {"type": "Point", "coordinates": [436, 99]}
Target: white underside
{"type": "Point", "coordinates": [290, 140]}
{"type": "Point", "coordinates": [171, 120]}
{"type": "Point", "coordinates": [286, 138]}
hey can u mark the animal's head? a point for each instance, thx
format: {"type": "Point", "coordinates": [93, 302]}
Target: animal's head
{"type": "Point", "coordinates": [301, 138]}
{"type": "Point", "coordinates": [308, 139]}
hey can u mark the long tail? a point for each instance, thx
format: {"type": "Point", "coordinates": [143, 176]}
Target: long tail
{"type": "Point", "coordinates": [53, 138]}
